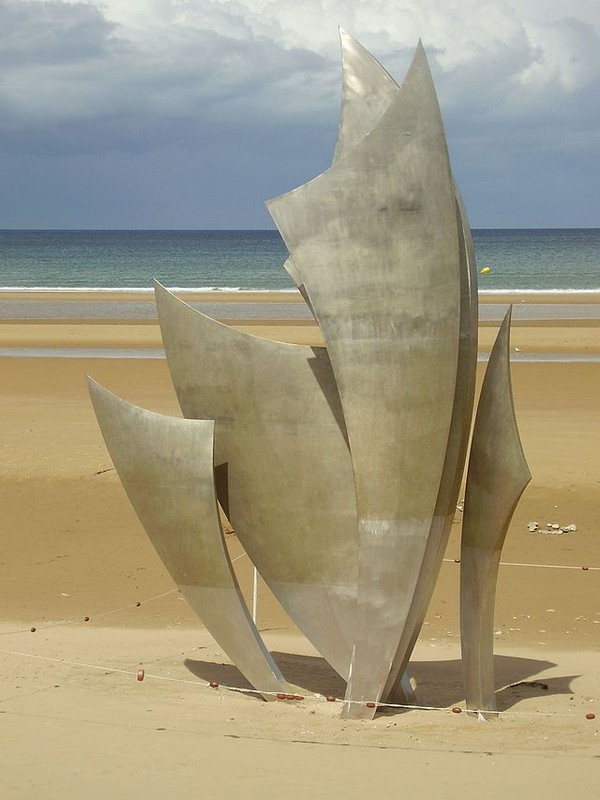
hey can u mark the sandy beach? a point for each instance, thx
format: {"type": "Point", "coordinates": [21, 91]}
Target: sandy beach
{"type": "Point", "coordinates": [74, 719]}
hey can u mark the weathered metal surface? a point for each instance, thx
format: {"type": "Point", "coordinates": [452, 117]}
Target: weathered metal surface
{"type": "Point", "coordinates": [367, 92]}
{"type": "Point", "coordinates": [458, 440]}
{"type": "Point", "coordinates": [497, 475]}
{"type": "Point", "coordinates": [166, 467]}
{"type": "Point", "coordinates": [340, 467]}
{"type": "Point", "coordinates": [375, 243]}
{"type": "Point", "coordinates": [279, 428]}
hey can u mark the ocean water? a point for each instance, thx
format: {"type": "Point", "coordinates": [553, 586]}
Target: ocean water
{"type": "Point", "coordinates": [519, 260]}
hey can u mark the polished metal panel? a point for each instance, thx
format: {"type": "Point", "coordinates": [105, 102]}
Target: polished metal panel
{"type": "Point", "coordinates": [458, 440]}
{"type": "Point", "coordinates": [375, 243]}
{"type": "Point", "coordinates": [367, 91]}
{"type": "Point", "coordinates": [166, 466]}
{"type": "Point", "coordinates": [340, 467]}
{"type": "Point", "coordinates": [497, 475]}
{"type": "Point", "coordinates": [280, 430]}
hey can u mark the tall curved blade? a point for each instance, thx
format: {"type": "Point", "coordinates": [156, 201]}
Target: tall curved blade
{"type": "Point", "coordinates": [367, 91]}
{"type": "Point", "coordinates": [166, 467]}
{"type": "Point", "coordinates": [376, 243]}
{"type": "Point", "coordinates": [497, 475]}
{"type": "Point", "coordinates": [280, 430]}
{"type": "Point", "coordinates": [460, 427]}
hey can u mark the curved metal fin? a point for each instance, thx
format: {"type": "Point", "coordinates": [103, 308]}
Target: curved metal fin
{"type": "Point", "coordinates": [367, 91]}
{"type": "Point", "coordinates": [460, 427]}
{"type": "Point", "coordinates": [279, 428]}
{"type": "Point", "coordinates": [376, 243]}
{"type": "Point", "coordinates": [166, 467]}
{"type": "Point", "coordinates": [497, 475]}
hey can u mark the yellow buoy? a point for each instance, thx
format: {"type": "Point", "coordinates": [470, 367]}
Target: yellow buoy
{"type": "Point", "coordinates": [485, 270]}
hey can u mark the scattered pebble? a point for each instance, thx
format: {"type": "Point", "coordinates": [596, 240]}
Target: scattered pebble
{"type": "Point", "coordinates": [551, 528]}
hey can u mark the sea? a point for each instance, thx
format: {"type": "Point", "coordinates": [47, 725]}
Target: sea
{"type": "Point", "coordinates": [519, 260]}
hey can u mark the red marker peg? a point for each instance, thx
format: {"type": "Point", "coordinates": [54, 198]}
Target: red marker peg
{"type": "Point", "coordinates": [141, 674]}
{"type": "Point", "coordinates": [213, 685]}
{"type": "Point", "coordinates": [281, 696]}
{"type": "Point", "coordinates": [590, 715]}
{"type": "Point", "coordinates": [371, 704]}
{"type": "Point", "coordinates": [456, 710]}
{"type": "Point", "coordinates": [330, 698]}
{"type": "Point", "coordinates": [585, 568]}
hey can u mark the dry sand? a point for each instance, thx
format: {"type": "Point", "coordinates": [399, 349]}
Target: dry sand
{"type": "Point", "coordinates": [74, 721]}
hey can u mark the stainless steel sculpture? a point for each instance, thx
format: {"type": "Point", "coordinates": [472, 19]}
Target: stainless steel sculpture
{"type": "Point", "coordinates": [166, 466]}
{"type": "Point", "coordinates": [340, 467]}
{"type": "Point", "coordinates": [400, 318]}
{"type": "Point", "coordinates": [496, 479]}
{"type": "Point", "coordinates": [279, 429]}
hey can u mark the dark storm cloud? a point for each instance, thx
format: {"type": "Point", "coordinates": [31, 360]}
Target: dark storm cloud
{"type": "Point", "coordinates": [215, 104]}
{"type": "Point", "coordinates": [50, 33]}
{"type": "Point", "coordinates": [73, 84]}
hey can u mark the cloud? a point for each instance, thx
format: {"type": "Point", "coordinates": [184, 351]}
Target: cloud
{"type": "Point", "coordinates": [46, 33]}
{"type": "Point", "coordinates": [68, 66]}
{"type": "Point", "coordinates": [105, 77]}
{"type": "Point", "coordinates": [208, 60]}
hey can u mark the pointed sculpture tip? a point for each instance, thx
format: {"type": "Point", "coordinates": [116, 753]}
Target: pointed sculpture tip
{"type": "Point", "coordinates": [420, 62]}
{"type": "Point", "coordinates": [345, 37]}
{"type": "Point", "coordinates": [420, 50]}
{"type": "Point", "coordinates": [98, 391]}
{"type": "Point", "coordinates": [160, 290]}
{"type": "Point", "coordinates": [503, 335]}
{"type": "Point", "coordinates": [505, 328]}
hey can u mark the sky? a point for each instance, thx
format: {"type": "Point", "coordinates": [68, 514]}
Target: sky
{"type": "Point", "coordinates": [189, 114]}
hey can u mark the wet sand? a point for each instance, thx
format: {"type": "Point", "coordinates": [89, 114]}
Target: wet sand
{"type": "Point", "coordinates": [74, 719]}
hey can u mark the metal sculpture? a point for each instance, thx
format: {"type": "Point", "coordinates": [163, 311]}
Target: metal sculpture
{"type": "Point", "coordinates": [496, 478]}
{"type": "Point", "coordinates": [340, 467]}
{"type": "Point", "coordinates": [279, 430]}
{"type": "Point", "coordinates": [165, 465]}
